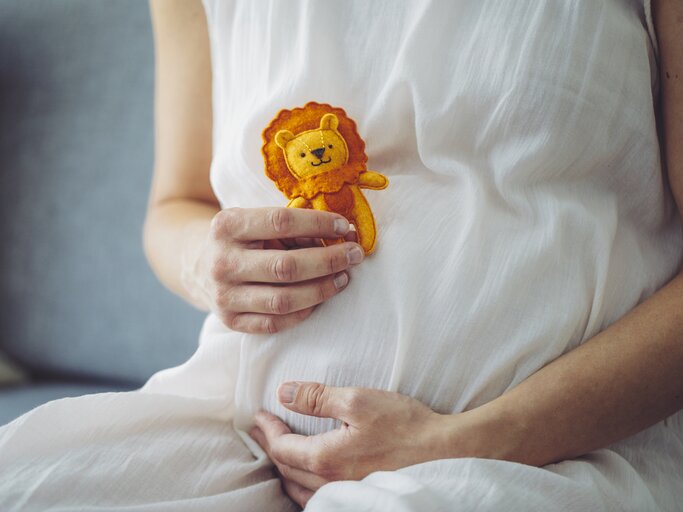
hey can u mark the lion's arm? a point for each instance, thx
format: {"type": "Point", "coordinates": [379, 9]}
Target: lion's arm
{"type": "Point", "coordinates": [372, 179]}
{"type": "Point", "coordinates": [299, 202]}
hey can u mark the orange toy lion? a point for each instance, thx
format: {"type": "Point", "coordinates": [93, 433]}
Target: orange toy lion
{"type": "Point", "coordinates": [317, 159]}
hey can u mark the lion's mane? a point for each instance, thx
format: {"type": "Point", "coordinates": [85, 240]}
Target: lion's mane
{"type": "Point", "coordinates": [302, 119]}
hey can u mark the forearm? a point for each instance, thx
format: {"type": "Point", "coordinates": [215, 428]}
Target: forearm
{"type": "Point", "coordinates": [182, 202]}
{"type": "Point", "coordinates": [618, 383]}
{"type": "Point", "coordinates": [173, 236]}
{"type": "Point", "coordinates": [626, 378]}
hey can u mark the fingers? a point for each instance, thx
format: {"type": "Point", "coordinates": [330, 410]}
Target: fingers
{"type": "Point", "coordinates": [294, 450]}
{"type": "Point", "coordinates": [299, 485]}
{"type": "Point", "coordinates": [304, 478]}
{"type": "Point", "coordinates": [299, 494]}
{"type": "Point", "coordinates": [249, 296]}
{"type": "Point", "coordinates": [246, 224]}
{"type": "Point", "coordinates": [270, 425]}
{"type": "Point", "coordinates": [273, 266]}
{"type": "Point", "coordinates": [251, 252]}
{"type": "Point", "coordinates": [281, 300]}
{"type": "Point", "coordinates": [316, 399]}
{"type": "Point", "coordinates": [298, 243]}
{"type": "Point", "coordinates": [256, 323]}
{"type": "Point", "coordinates": [351, 236]}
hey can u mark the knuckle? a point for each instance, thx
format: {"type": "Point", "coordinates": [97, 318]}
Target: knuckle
{"type": "Point", "coordinates": [322, 224]}
{"type": "Point", "coordinates": [229, 221]}
{"type": "Point", "coordinates": [284, 267]}
{"type": "Point", "coordinates": [270, 325]}
{"type": "Point", "coordinates": [216, 270]}
{"type": "Point", "coordinates": [284, 469]}
{"type": "Point", "coordinates": [215, 227]}
{"type": "Point", "coordinates": [223, 300]}
{"type": "Point", "coordinates": [321, 465]}
{"type": "Point", "coordinates": [313, 396]}
{"type": "Point", "coordinates": [275, 454]}
{"type": "Point", "coordinates": [278, 453]}
{"type": "Point", "coordinates": [316, 464]}
{"type": "Point", "coordinates": [280, 303]}
{"type": "Point", "coordinates": [230, 266]}
{"type": "Point", "coordinates": [353, 400]}
{"type": "Point", "coordinates": [230, 321]}
{"type": "Point", "coordinates": [281, 220]}
{"type": "Point", "coordinates": [337, 261]}
{"type": "Point", "coordinates": [322, 294]}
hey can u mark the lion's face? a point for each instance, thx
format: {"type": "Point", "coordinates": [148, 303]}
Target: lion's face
{"type": "Point", "coordinates": [314, 151]}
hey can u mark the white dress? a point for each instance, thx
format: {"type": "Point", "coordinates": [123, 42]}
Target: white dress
{"type": "Point", "coordinates": [526, 212]}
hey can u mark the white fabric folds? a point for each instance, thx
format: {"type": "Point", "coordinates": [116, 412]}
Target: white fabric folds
{"type": "Point", "coordinates": [527, 211]}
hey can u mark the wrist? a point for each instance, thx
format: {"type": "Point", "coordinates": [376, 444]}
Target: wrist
{"type": "Point", "coordinates": [486, 432]}
{"type": "Point", "coordinates": [193, 271]}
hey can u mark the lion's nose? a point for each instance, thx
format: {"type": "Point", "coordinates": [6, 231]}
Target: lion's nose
{"type": "Point", "coordinates": [318, 152]}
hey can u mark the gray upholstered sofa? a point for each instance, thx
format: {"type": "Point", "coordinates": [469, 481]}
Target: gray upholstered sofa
{"type": "Point", "coordinates": [80, 309]}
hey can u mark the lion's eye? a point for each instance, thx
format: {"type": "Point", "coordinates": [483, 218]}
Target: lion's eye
{"type": "Point", "coordinates": [330, 146]}
{"type": "Point", "coordinates": [303, 155]}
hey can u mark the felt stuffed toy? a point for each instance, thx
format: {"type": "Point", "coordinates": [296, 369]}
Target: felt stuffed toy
{"type": "Point", "coordinates": [317, 159]}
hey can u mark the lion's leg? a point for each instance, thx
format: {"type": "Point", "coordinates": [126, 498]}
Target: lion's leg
{"type": "Point", "coordinates": [364, 221]}
{"type": "Point", "coordinates": [318, 203]}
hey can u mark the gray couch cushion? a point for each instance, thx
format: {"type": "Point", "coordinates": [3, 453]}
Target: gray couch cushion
{"type": "Point", "coordinates": [76, 146]}
{"type": "Point", "coordinates": [15, 401]}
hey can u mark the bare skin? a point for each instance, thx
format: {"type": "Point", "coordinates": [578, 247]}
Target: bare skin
{"type": "Point", "coordinates": [232, 261]}
{"type": "Point", "coordinates": [623, 380]}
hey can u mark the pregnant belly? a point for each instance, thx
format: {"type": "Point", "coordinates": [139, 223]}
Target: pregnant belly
{"type": "Point", "coordinates": [452, 339]}
{"type": "Point", "coordinates": [456, 309]}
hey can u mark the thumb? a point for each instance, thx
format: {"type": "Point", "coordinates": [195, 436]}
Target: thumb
{"type": "Point", "coordinates": [316, 399]}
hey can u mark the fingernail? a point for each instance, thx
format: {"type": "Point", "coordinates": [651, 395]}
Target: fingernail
{"type": "Point", "coordinates": [340, 280]}
{"type": "Point", "coordinates": [287, 392]}
{"type": "Point", "coordinates": [341, 226]}
{"type": "Point", "coordinates": [355, 255]}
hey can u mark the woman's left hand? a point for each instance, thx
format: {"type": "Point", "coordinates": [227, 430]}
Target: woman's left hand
{"type": "Point", "coordinates": [381, 430]}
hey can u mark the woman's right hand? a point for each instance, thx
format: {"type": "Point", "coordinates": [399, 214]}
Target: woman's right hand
{"type": "Point", "coordinates": [253, 287]}
{"type": "Point", "coordinates": [232, 262]}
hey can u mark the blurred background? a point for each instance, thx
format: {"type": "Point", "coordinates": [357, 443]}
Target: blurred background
{"type": "Point", "coordinates": [80, 310]}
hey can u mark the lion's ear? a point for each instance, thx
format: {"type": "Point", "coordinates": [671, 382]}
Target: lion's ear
{"type": "Point", "coordinates": [283, 137]}
{"type": "Point", "coordinates": [329, 122]}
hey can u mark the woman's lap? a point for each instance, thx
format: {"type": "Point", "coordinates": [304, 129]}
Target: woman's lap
{"type": "Point", "coordinates": [488, 485]}
{"type": "Point", "coordinates": [133, 451]}
{"type": "Point", "coordinates": [147, 451]}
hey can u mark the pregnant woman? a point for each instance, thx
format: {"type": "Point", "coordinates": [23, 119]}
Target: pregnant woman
{"type": "Point", "coordinates": [515, 342]}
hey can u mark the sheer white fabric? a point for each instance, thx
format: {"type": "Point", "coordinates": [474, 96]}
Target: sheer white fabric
{"type": "Point", "coordinates": [526, 212]}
